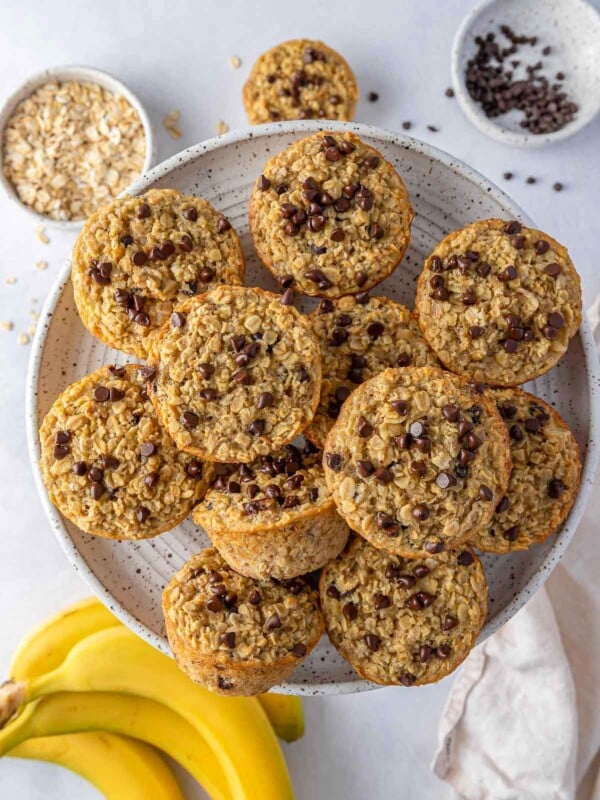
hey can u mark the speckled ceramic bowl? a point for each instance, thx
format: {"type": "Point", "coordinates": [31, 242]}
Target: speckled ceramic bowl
{"type": "Point", "coordinates": [570, 27]}
{"type": "Point", "coordinates": [129, 576]}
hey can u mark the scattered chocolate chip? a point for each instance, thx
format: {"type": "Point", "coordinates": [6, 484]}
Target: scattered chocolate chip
{"type": "Point", "coordinates": [558, 186]}
{"type": "Point", "coordinates": [530, 179]}
{"type": "Point", "coordinates": [372, 97]}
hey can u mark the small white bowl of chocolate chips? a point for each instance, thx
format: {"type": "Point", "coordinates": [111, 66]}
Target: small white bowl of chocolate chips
{"type": "Point", "coordinates": [527, 72]}
{"type": "Point", "coordinates": [71, 139]}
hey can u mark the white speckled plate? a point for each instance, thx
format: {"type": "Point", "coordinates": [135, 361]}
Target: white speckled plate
{"type": "Point", "coordinates": [129, 576]}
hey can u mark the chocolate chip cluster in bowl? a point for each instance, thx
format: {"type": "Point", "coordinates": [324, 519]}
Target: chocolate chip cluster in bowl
{"type": "Point", "coordinates": [346, 464]}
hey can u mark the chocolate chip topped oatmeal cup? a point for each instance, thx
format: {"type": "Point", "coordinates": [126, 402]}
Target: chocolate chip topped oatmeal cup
{"type": "Point", "coordinates": [300, 79]}
{"type": "Point", "coordinates": [417, 460]}
{"type": "Point", "coordinates": [274, 517]}
{"type": "Point", "coordinates": [408, 622]}
{"type": "Point", "coordinates": [360, 336]}
{"type": "Point", "coordinates": [546, 470]}
{"type": "Point", "coordinates": [238, 374]}
{"type": "Point", "coordinates": [235, 635]}
{"type": "Point", "coordinates": [138, 257]}
{"type": "Point", "coordinates": [108, 464]}
{"type": "Point", "coordinates": [330, 216]}
{"type": "Point", "coordinates": [499, 302]}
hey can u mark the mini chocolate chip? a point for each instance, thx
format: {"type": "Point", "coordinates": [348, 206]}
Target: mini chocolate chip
{"type": "Point", "coordinates": [143, 211]}
{"type": "Point", "coordinates": [465, 559]}
{"type": "Point", "coordinates": [79, 468]}
{"type": "Point", "coordinates": [444, 480]}
{"type": "Point", "coordinates": [512, 227]}
{"type": "Point", "coordinates": [418, 429]}
{"type": "Point", "coordinates": [451, 413]}
{"type": "Point", "coordinates": [509, 274]}
{"type": "Point", "coordinates": [421, 570]}
{"type": "Point", "coordinates": [101, 394]}
{"type": "Point", "coordinates": [403, 360]}
{"type": "Point", "coordinates": [263, 183]}
{"type": "Point", "coordinates": [333, 592]}
{"type": "Point", "coordinates": [383, 475]}
{"type": "Point", "coordinates": [376, 231]}
{"type": "Point", "coordinates": [407, 678]}
{"type": "Point", "coordinates": [350, 611]}
{"type": "Point", "coordinates": [403, 441]}
{"type": "Point", "coordinates": [177, 320]}
{"type": "Point", "coordinates": [541, 247]}
{"type": "Point", "coordinates": [475, 331]}
{"type": "Point", "coordinates": [228, 639]}
{"type": "Point", "coordinates": [418, 468]}
{"type": "Point", "coordinates": [223, 225]}
{"type": "Point", "coordinates": [511, 346]}
{"type": "Point", "coordinates": [333, 461]}
{"type": "Point", "coordinates": [434, 547]}
{"type": "Point", "coordinates": [483, 269]}
{"type": "Point", "coordinates": [443, 651]}
{"type": "Point", "coordinates": [272, 623]}
{"type": "Point", "coordinates": [511, 534]}
{"type": "Point", "coordinates": [464, 428]}
{"type": "Point", "coordinates": [364, 428]}
{"type": "Point", "coordinates": [449, 622]}
{"type": "Point", "coordinates": [299, 650]}
{"type": "Point", "coordinates": [151, 480]}
{"type": "Point", "coordinates": [142, 513]}
{"type": "Point", "coordinates": [420, 512]}
{"type": "Point", "coordinates": [553, 269]}
{"type": "Point", "coordinates": [372, 641]}
{"type": "Point", "coordinates": [532, 425]}
{"type": "Point", "coordinates": [556, 487]}
{"type": "Point", "coordinates": [256, 428]}
{"type": "Point", "coordinates": [375, 329]}
{"type": "Point", "coordinates": [485, 493]}
{"type": "Point", "coordinates": [383, 520]}
{"type": "Point", "coordinates": [364, 468]}
{"type": "Point", "coordinates": [287, 298]}
{"type": "Point", "coordinates": [265, 399]}
{"type": "Point", "coordinates": [148, 449]}
{"type": "Point", "coordinates": [400, 407]}
{"type": "Point", "coordinates": [556, 320]}
{"type": "Point", "coordinates": [502, 505]}
{"type": "Point", "coordinates": [381, 601]}
{"type": "Point", "coordinates": [515, 433]}
{"type": "Point", "coordinates": [139, 258]}
{"type": "Point", "coordinates": [97, 490]}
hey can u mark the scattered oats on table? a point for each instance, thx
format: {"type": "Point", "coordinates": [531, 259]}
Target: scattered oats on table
{"type": "Point", "coordinates": [23, 338]}
{"type": "Point", "coordinates": [6, 325]}
{"type": "Point", "coordinates": [41, 265]}
{"type": "Point", "coordinates": [10, 281]}
{"type": "Point", "coordinates": [170, 123]}
{"type": "Point", "coordinates": [235, 62]}
{"type": "Point", "coordinates": [71, 146]}
{"type": "Point", "coordinates": [40, 232]}
{"type": "Point", "coordinates": [222, 127]}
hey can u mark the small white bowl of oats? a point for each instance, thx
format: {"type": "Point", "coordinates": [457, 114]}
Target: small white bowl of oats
{"type": "Point", "coordinates": [72, 139]}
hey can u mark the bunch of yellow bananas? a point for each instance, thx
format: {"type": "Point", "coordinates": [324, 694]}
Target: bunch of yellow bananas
{"type": "Point", "coordinates": [87, 693]}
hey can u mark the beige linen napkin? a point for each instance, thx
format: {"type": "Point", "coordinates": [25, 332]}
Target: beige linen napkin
{"type": "Point", "coordinates": [523, 718]}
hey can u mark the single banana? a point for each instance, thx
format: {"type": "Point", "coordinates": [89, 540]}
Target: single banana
{"type": "Point", "coordinates": [50, 643]}
{"type": "Point", "coordinates": [47, 646]}
{"type": "Point", "coordinates": [120, 768]}
{"type": "Point", "coordinates": [116, 660]}
{"type": "Point", "coordinates": [285, 714]}
{"type": "Point", "coordinates": [126, 714]}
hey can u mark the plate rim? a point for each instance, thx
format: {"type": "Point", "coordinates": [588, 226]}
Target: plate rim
{"type": "Point", "coordinates": [178, 160]}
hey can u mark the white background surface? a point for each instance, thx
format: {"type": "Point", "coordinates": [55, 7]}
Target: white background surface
{"type": "Point", "coordinates": [174, 55]}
